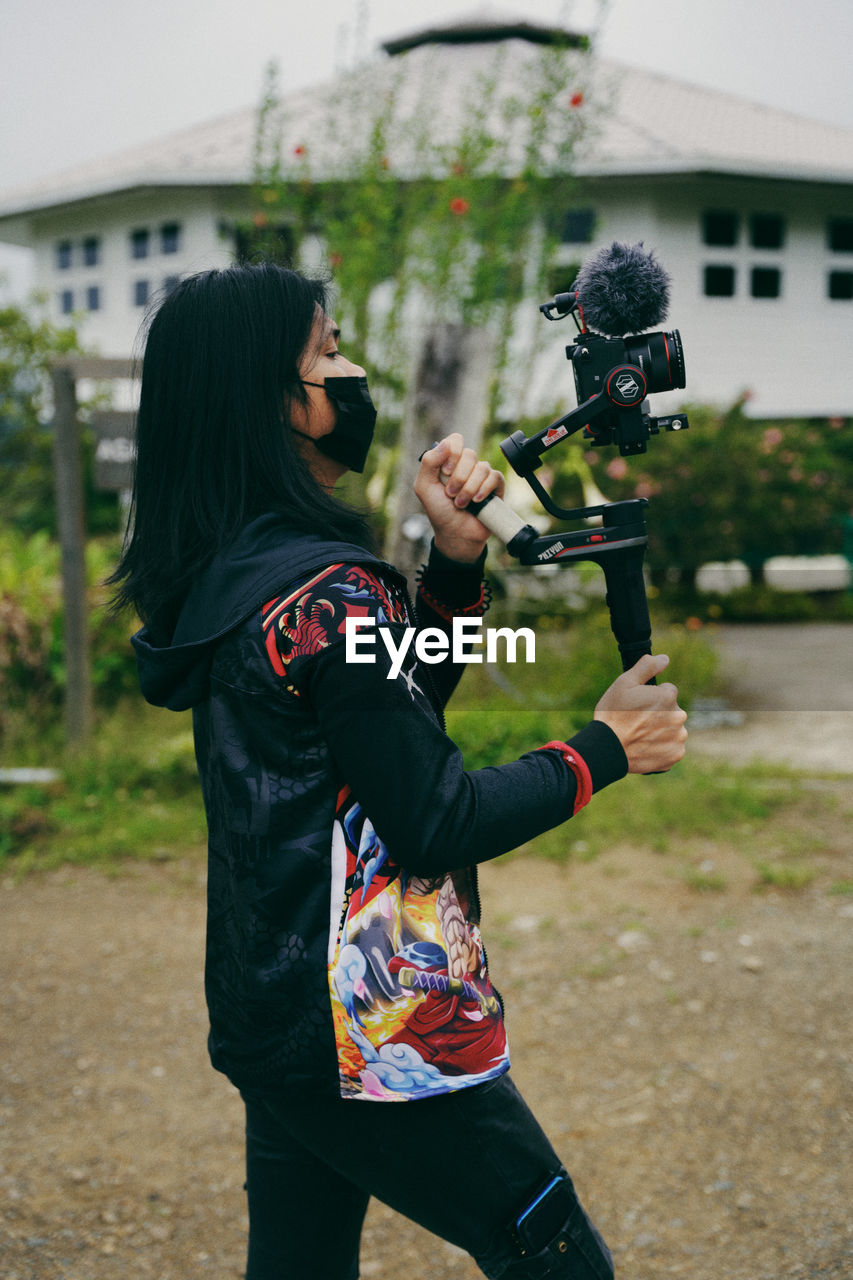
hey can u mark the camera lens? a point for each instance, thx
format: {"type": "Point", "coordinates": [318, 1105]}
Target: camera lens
{"type": "Point", "coordinates": [661, 358]}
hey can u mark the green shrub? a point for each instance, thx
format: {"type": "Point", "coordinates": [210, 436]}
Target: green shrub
{"type": "Point", "coordinates": [133, 793]}
{"type": "Point", "coordinates": [502, 710]}
{"type": "Point", "coordinates": [32, 663]}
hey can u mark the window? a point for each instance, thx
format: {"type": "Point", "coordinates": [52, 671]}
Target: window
{"type": "Point", "coordinates": [93, 298]}
{"type": "Point", "coordinates": [274, 243]}
{"type": "Point", "coordinates": [840, 286]}
{"type": "Point", "coordinates": [765, 282]}
{"type": "Point", "coordinates": [66, 302]}
{"type": "Point", "coordinates": [63, 255]}
{"type": "Point", "coordinates": [91, 251]}
{"type": "Point", "coordinates": [170, 283]}
{"type": "Point", "coordinates": [766, 231]}
{"type": "Point", "coordinates": [720, 227]}
{"type": "Point", "coordinates": [840, 235]}
{"type": "Point", "coordinates": [719, 282]}
{"type": "Point", "coordinates": [578, 226]}
{"type": "Point", "coordinates": [561, 279]}
{"type": "Point", "coordinates": [141, 293]}
{"type": "Point", "coordinates": [139, 243]}
{"type": "Point", "coordinates": [170, 237]}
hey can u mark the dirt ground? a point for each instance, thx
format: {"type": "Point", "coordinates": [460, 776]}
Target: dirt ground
{"type": "Point", "coordinates": [689, 1054]}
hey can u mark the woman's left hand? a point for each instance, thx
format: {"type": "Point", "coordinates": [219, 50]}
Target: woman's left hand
{"type": "Point", "coordinates": [450, 477]}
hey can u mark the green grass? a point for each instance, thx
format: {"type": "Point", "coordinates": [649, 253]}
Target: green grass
{"type": "Point", "coordinates": [697, 800]}
{"type": "Point", "coordinates": [135, 793]}
{"type": "Point", "coordinates": [792, 875]}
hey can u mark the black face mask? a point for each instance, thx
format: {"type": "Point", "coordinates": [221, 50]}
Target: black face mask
{"type": "Point", "coordinates": [349, 440]}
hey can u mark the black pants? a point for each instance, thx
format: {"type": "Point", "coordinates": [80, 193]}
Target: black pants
{"type": "Point", "coordinates": [464, 1165]}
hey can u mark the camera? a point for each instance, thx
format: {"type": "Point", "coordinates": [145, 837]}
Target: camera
{"type": "Point", "coordinates": [613, 375]}
{"type": "Point", "coordinates": [627, 370]}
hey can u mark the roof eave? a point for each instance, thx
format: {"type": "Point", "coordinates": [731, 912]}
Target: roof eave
{"type": "Point", "coordinates": [118, 186]}
{"type": "Point", "coordinates": [709, 168]}
{"type": "Point", "coordinates": [628, 167]}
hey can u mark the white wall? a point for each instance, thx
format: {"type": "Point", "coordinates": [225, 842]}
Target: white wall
{"type": "Point", "coordinates": [113, 329]}
{"type": "Point", "coordinates": [791, 353]}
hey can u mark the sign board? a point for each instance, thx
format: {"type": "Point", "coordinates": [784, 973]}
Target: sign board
{"type": "Point", "coordinates": [115, 448]}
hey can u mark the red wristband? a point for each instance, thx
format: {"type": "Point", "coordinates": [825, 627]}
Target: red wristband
{"type": "Point", "coordinates": [448, 612]}
{"type": "Point", "coordinates": [579, 768]}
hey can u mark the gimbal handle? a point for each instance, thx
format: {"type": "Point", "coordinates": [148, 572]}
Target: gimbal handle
{"type": "Point", "coordinates": [618, 546]}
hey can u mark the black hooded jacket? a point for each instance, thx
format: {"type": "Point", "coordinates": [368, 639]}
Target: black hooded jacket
{"type": "Point", "coordinates": [343, 945]}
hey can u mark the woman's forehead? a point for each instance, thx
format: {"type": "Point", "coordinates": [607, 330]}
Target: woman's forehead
{"type": "Point", "coordinates": [325, 326]}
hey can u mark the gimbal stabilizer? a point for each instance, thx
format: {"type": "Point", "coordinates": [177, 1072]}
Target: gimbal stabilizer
{"type": "Point", "coordinates": [621, 292]}
{"type": "Point", "coordinates": [617, 545]}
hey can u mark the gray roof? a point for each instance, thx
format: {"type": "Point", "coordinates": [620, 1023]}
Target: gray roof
{"type": "Point", "coordinates": [642, 124]}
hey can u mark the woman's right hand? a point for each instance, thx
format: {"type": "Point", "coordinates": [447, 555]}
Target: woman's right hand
{"type": "Point", "coordinates": [646, 718]}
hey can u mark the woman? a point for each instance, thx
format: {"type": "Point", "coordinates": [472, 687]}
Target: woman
{"type": "Point", "coordinates": [344, 960]}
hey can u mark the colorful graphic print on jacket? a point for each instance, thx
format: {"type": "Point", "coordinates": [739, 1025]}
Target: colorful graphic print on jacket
{"type": "Point", "coordinates": [415, 1013]}
{"type": "Point", "coordinates": [414, 1010]}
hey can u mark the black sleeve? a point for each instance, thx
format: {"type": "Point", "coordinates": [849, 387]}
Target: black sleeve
{"type": "Point", "coordinates": [448, 589]}
{"type": "Point", "coordinates": [433, 814]}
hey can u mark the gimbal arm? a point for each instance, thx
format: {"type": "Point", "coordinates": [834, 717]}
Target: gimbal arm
{"type": "Point", "coordinates": [524, 453]}
{"type": "Point", "coordinates": [618, 546]}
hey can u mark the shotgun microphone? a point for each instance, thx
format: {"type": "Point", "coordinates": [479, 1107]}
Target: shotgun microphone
{"type": "Point", "coordinates": [622, 290]}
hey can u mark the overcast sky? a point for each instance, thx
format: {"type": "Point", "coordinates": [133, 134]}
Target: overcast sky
{"type": "Point", "coordinates": [81, 78]}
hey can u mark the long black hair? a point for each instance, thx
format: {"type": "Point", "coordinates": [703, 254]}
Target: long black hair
{"type": "Point", "coordinates": [220, 370]}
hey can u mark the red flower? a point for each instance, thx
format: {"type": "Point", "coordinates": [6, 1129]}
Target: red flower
{"type": "Point", "coordinates": [299, 150]}
{"type": "Point", "coordinates": [259, 220]}
{"type": "Point", "coordinates": [335, 259]}
{"type": "Point", "coordinates": [576, 100]}
{"type": "Point", "coordinates": [459, 206]}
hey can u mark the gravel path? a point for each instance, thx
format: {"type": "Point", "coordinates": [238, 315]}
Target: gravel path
{"type": "Point", "coordinates": [689, 1053]}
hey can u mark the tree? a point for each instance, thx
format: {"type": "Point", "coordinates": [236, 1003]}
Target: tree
{"type": "Point", "coordinates": [428, 217]}
{"type": "Point", "coordinates": [29, 342]}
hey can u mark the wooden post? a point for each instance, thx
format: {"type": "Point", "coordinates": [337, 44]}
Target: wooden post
{"type": "Point", "coordinates": [72, 539]}
{"type": "Point", "coordinates": [448, 392]}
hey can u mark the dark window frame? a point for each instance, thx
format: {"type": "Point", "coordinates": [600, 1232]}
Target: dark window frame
{"type": "Point", "coordinates": [170, 237]}
{"type": "Point", "coordinates": [765, 283]}
{"type": "Point", "coordinates": [839, 235]}
{"type": "Point", "coordinates": [140, 243]}
{"type": "Point", "coordinates": [713, 224]}
{"type": "Point", "coordinates": [839, 286]}
{"type": "Point", "coordinates": [578, 226]}
{"type": "Point", "coordinates": [64, 255]}
{"type": "Point", "coordinates": [767, 231]}
{"type": "Point", "coordinates": [717, 271]}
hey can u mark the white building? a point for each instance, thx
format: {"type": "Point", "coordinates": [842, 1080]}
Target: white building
{"type": "Point", "coordinates": [750, 210]}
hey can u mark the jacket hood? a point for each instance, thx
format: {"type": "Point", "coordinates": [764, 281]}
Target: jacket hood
{"type": "Point", "coordinates": [174, 661]}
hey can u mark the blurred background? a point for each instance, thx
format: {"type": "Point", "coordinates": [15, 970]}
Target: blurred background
{"type": "Point", "coordinates": [450, 168]}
